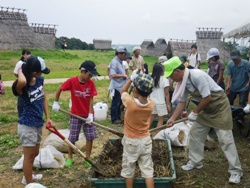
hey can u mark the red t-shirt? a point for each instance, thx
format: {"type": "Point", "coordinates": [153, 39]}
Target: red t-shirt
{"type": "Point", "coordinates": [81, 93]}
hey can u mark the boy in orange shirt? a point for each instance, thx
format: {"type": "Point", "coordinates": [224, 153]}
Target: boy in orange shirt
{"type": "Point", "coordinates": [137, 143]}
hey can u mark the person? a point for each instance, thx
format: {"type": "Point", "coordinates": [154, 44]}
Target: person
{"type": "Point", "coordinates": [160, 95]}
{"type": "Point", "coordinates": [64, 45]}
{"type": "Point", "coordinates": [213, 110]}
{"type": "Point", "coordinates": [194, 58]}
{"type": "Point", "coordinates": [82, 90]}
{"type": "Point", "coordinates": [137, 61]}
{"type": "Point", "coordinates": [25, 55]}
{"type": "Point", "coordinates": [30, 87]}
{"type": "Point", "coordinates": [237, 78]}
{"type": "Point", "coordinates": [137, 143]}
{"type": "Point", "coordinates": [184, 60]}
{"type": "Point", "coordinates": [215, 67]}
{"type": "Point", "coordinates": [2, 89]}
{"type": "Point", "coordinates": [124, 63]}
{"type": "Point", "coordinates": [118, 79]}
{"type": "Point", "coordinates": [162, 59]}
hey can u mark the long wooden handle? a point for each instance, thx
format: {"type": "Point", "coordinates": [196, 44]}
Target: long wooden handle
{"type": "Point", "coordinates": [93, 123]}
{"type": "Point", "coordinates": [164, 126]}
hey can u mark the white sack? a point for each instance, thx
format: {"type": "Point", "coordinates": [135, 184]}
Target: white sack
{"type": "Point", "coordinates": [173, 132]}
{"type": "Point", "coordinates": [60, 145]}
{"type": "Point", "coordinates": [48, 157]}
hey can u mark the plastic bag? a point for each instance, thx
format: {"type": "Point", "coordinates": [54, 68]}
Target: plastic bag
{"type": "Point", "coordinates": [177, 134]}
{"type": "Point", "coordinates": [60, 145]}
{"type": "Point", "coordinates": [48, 157]}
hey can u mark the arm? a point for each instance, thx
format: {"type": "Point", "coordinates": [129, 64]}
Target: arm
{"type": "Point", "coordinates": [142, 69]}
{"type": "Point", "coordinates": [220, 76]}
{"type": "Point", "coordinates": [203, 103]}
{"type": "Point", "coordinates": [119, 76]}
{"type": "Point", "coordinates": [228, 80]}
{"type": "Point", "coordinates": [126, 70]}
{"type": "Point", "coordinates": [21, 82]}
{"type": "Point", "coordinates": [179, 109]}
{"type": "Point", "coordinates": [58, 93]}
{"type": "Point", "coordinates": [91, 110]}
{"type": "Point", "coordinates": [167, 97]}
{"type": "Point", "coordinates": [126, 86]}
{"type": "Point", "coordinates": [46, 111]}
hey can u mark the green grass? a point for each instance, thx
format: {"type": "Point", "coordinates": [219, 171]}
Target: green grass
{"type": "Point", "coordinates": [62, 65]}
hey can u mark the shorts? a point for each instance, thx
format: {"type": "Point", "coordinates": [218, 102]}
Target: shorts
{"type": "Point", "coordinates": [160, 109]}
{"type": "Point", "coordinates": [75, 128]}
{"type": "Point", "coordinates": [140, 150]}
{"type": "Point", "coordinates": [29, 135]}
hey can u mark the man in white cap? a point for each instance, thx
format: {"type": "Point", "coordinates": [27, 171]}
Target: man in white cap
{"type": "Point", "coordinates": [137, 61]}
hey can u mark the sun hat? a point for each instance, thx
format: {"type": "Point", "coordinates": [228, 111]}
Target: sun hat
{"type": "Point", "coordinates": [235, 54]}
{"type": "Point", "coordinates": [121, 49]}
{"type": "Point", "coordinates": [183, 58]}
{"type": "Point", "coordinates": [162, 59]}
{"type": "Point", "coordinates": [212, 52]}
{"type": "Point", "coordinates": [170, 65]}
{"type": "Point", "coordinates": [136, 48]}
{"type": "Point", "coordinates": [144, 82]}
{"type": "Point", "coordinates": [128, 56]}
{"type": "Point", "coordinates": [90, 67]}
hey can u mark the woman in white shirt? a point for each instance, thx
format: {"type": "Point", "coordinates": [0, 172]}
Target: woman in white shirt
{"type": "Point", "coordinates": [194, 58]}
{"type": "Point", "coordinates": [160, 94]}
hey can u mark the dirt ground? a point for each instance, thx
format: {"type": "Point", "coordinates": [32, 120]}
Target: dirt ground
{"type": "Point", "coordinates": [213, 174]}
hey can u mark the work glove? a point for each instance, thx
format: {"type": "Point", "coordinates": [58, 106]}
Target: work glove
{"type": "Point", "coordinates": [56, 106]}
{"type": "Point", "coordinates": [90, 118]}
{"type": "Point", "coordinates": [134, 75]}
{"type": "Point", "coordinates": [192, 116]}
{"type": "Point", "coordinates": [247, 108]}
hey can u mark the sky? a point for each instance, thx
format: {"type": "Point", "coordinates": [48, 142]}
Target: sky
{"type": "Point", "coordinates": [132, 21]}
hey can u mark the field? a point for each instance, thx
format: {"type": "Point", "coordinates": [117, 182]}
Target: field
{"type": "Point", "coordinates": [64, 65]}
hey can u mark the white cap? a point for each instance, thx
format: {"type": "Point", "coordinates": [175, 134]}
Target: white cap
{"type": "Point", "coordinates": [162, 59]}
{"type": "Point", "coordinates": [212, 52]}
{"type": "Point", "coordinates": [34, 185]}
{"type": "Point", "coordinates": [136, 48]}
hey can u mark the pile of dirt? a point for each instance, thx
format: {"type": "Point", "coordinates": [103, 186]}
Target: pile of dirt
{"type": "Point", "coordinates": [111, 159]}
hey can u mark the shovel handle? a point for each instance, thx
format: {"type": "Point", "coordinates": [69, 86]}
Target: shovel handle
{"type": "Point", "coordinates": [54, 130]}
{"type": "Point", "coordinates": [93, 123]}
{"type": "Point", "coordinates": [165, 126]}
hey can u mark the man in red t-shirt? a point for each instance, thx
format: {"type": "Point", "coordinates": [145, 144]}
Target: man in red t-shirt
{"type": "Point", "coordinates": [82, 90]}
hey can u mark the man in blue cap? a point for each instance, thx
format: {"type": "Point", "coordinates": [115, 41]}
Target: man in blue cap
{"type": "Point", "coordinates": [118, 79]}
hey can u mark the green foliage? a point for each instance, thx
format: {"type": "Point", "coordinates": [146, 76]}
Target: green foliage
{"type": "Point", "coordinates": [245, 53]}
{"type": "Point", "coordinates": [73, 44]}
{"type": "Point", "coordinates": [8, 141]}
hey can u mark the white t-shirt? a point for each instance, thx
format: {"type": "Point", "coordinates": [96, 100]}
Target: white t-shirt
{"type": "Point", "coordinates": [18, 66]}
{"type": "Point", "coordinates": [158, 94]}
{"type": "Point", "coordinates": [192, 59]}
{"type": "Point", "coordinates": [202, 82]}
{"type": "Point", "coordinates": [125, 64]}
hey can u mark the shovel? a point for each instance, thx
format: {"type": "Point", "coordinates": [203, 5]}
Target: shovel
{"type": "Point", "coordinates": [165, 126]}
{"type": "Point", "coordinates": [97, 168]}
{"type": "Point", "coordinates": [93, 123]}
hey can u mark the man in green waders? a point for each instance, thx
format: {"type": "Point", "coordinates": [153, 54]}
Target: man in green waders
{"type": "Point", "coordinates": [213, 111]}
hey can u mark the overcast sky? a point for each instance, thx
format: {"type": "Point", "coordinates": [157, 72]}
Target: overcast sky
{"type": "Point", "coordinates": [132, 21]}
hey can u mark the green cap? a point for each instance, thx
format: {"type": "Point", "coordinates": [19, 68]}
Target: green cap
{"type": "Point", "coordinates": [170, 65]}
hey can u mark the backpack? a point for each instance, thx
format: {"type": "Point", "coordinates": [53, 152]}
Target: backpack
{"type": "Point", "coordinates": [2, 90]}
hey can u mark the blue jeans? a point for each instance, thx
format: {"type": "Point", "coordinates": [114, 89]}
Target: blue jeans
{"type": "Point", "coordinates": [115, 106]}
{"type": "Point", "coordinates": [242, 97]}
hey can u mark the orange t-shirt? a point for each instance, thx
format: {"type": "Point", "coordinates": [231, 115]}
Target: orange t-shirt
{"type": "Point", "coordinates": [137, 118]}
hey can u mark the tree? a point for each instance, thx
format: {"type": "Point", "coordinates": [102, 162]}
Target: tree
{"type": "Point", "coordinates": [73, 44]}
